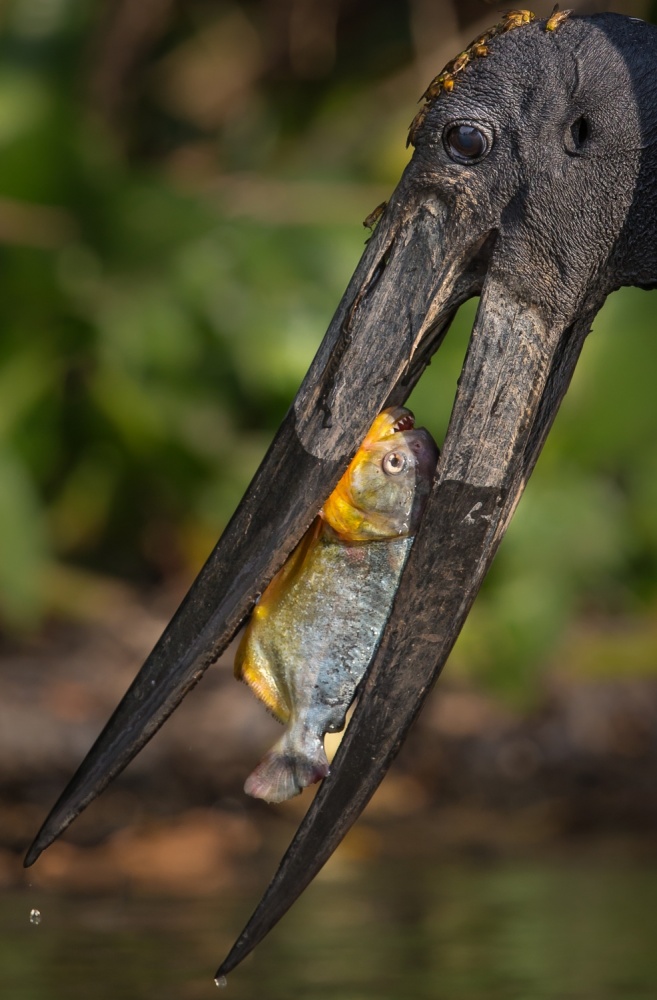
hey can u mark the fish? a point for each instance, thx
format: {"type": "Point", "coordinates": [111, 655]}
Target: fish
{"type": "Point", "coordinates": [317, 625]}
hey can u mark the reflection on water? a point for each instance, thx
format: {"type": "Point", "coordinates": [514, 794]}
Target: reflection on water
{"type": "Point", "coordinates": [585, 930]}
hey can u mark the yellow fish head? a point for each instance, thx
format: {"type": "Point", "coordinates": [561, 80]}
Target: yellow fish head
{"type": "Point", "coordinates": [382, 493]}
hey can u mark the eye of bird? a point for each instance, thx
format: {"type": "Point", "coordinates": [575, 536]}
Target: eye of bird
{"type": "Point", "coordinates": [394, 463]}
{"type": "Point", "coordinates": [465, 143]}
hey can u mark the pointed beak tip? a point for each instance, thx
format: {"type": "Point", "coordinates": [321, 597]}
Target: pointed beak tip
{"type": "Point", "coordinates": [32, 855]}
{"type": "Point", "coordinates": [221, 975]}
{"type": "Point", "coordinates": [36, 849]}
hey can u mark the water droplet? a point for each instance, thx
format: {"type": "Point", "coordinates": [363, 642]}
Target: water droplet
{"type": "Point", "coordinates": [35, 916]}
{"type": "Point", "coordinates": [221, 982]}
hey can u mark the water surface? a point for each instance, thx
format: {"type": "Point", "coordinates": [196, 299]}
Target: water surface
{"type": "Point", "coordinates": [582, 930]}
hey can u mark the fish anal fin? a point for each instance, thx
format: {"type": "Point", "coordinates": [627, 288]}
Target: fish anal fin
{"type": "Point", "coordinates": [265, 688]}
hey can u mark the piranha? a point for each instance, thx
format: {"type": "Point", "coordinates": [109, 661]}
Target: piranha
{"type": "Point", "coordinates": [317, 625]}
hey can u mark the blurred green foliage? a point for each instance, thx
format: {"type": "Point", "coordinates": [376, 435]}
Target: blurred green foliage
{"type": "Point", "coordinates": [180, 205]}
{"type": "Point", "coordinates": [151, 341]}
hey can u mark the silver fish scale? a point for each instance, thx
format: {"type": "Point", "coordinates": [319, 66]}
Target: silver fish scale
{"type": "Point", "coordinates": [327, 627]}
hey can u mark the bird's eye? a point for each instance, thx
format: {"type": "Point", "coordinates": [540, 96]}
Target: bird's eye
{"type": "Point", "coordinates": [394, 463]}
{"type": "Point", "coordinates": [465, 143]}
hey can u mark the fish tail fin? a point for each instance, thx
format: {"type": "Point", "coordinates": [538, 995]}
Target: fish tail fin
{"type": "Point", "coordinates": [286, 770]}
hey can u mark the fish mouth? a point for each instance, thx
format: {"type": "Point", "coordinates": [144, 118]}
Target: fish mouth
{"type": "Point", "coordinates": [405, 423]}
{"type": "Point", "coordinates": [392, 420]}
{"type": "Point", "coordinates": [440, 242]}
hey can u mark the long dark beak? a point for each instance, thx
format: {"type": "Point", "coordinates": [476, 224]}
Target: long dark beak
{"type": "Point", "coordinates": [419, 267]}
{"type": "Point", "coordinates": [397, 307]}
{"type": "Point", "coordinates": [515, 376]}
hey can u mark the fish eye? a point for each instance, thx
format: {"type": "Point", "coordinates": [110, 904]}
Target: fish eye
{"type": "Point", "coordinates": [394, 463]}
{"type": "Point", "coordinates": [465, 143]}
